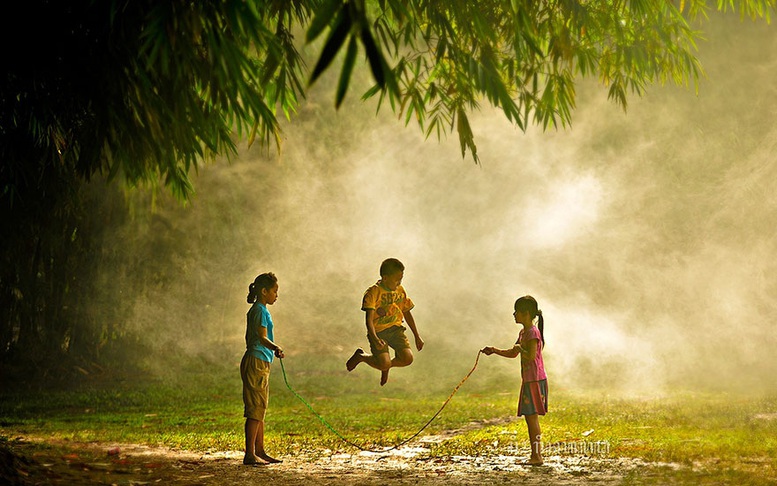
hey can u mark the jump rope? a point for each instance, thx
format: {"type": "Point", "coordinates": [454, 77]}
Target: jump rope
{"type": "Point", "coordinates": [396, 446]}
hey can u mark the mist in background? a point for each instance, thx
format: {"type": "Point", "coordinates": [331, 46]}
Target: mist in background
{"type": "Point", "coordinates": [648, 238]}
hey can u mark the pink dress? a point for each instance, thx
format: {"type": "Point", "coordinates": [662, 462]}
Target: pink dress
{"type": "Point", "coordinates": [533, 399]}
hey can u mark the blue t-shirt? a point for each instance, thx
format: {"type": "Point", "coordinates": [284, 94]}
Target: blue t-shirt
{"type": "Point", "coordinates": [258, 315]}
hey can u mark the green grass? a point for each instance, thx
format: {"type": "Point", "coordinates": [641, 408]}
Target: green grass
{"type": "Point", "coordinates": [727, 435]}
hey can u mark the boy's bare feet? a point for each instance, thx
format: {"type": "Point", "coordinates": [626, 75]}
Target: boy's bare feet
{"type": "Point", "coordinates": [252, 460]}
{"type": "Point", "coordinates": [270, 460]}
{"type": "Point", "coordinates": [383, 377]}
{"type": "Point", "coordinates": [354, 360]}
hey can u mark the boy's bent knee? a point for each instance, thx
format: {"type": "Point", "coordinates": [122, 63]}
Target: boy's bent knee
{"type": "Point", "coordinates": [383, 361]}
{"type": "Point", "coordinates": [404, 358]}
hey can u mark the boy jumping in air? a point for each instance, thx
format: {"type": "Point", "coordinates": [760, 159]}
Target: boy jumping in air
{"type": "Point", "coordinates": [386, 305]}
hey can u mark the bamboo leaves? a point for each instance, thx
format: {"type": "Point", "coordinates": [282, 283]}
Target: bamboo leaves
{"type": "Point", "coordinates": [171, 82]}
{"type": "Point", "coordinates": [337, 36]}
{"type": "Point", "coordinates": [345, 74]}
{"type": "Point", "coordinates": [350, 23]}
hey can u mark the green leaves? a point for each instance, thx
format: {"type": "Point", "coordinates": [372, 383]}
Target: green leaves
{"type": "Point", "coordinates": [338, 34]}
{"type": "Point", "coordinates": [466, 137]}
{"type": "Point", "coordinates": [323, 16]}
{"type": "Point", "coordinates": [525, 57]}
{"type": "Point", "coordinates": [171, 82]}
{"type": "Point", "coordinates": [345, 74]}
{"type": "Point", "coordinates": [350, 22]}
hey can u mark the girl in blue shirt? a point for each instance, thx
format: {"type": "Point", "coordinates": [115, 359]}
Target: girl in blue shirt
{"type": "Point", "coordinates": [255, 366]}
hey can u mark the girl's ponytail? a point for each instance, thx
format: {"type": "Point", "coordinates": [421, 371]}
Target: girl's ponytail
{"type": "Point", "coordinates": [251, 293]}
{"type": "Point", "coordinates": [541, 326]}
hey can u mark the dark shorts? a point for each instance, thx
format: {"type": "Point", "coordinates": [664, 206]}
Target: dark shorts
{"type": "Point", "coordinates": [394, 337]}
{"type": "Point", "coordinates": [256, 386]}
{"type": "Point", "coordinates": [534, 398]}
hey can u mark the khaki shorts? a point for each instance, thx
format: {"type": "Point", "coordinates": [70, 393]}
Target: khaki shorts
{"type": "Point", "coordinates": [394, 337]}
{"type": "Point", "coordinates": [256, 386]}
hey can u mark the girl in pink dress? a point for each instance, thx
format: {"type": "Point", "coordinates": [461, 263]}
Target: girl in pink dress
{"type": "Point", "coordinates": [533, 399]}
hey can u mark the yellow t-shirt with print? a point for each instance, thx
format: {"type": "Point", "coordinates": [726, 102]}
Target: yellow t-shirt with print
{"type": "Point", "coordinates": [388, 304]}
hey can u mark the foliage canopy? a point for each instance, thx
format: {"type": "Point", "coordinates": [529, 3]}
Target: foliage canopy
{"type": "Point", "coordinates": [148, 89]}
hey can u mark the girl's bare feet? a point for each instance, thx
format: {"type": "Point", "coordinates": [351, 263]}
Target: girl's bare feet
{"type": "Point", "coordinates": [270, 460]}
{"type": "Point", "coordinates": [532, 462]}
{"type": "Point", "coordinates": [252, 460]}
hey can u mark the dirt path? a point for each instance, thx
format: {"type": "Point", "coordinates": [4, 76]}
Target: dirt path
{"type": "Point", "coordinates": [123, 464]}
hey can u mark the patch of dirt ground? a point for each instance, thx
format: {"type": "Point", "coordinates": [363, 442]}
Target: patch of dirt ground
{"type": "Point", "coordinates": [27, 461]}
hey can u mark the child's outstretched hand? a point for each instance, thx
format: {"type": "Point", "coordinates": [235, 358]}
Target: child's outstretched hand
{"type": "Point", "coordinates": [488, 350]}
{"type": "Point", "coordinates": [279, 352]}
